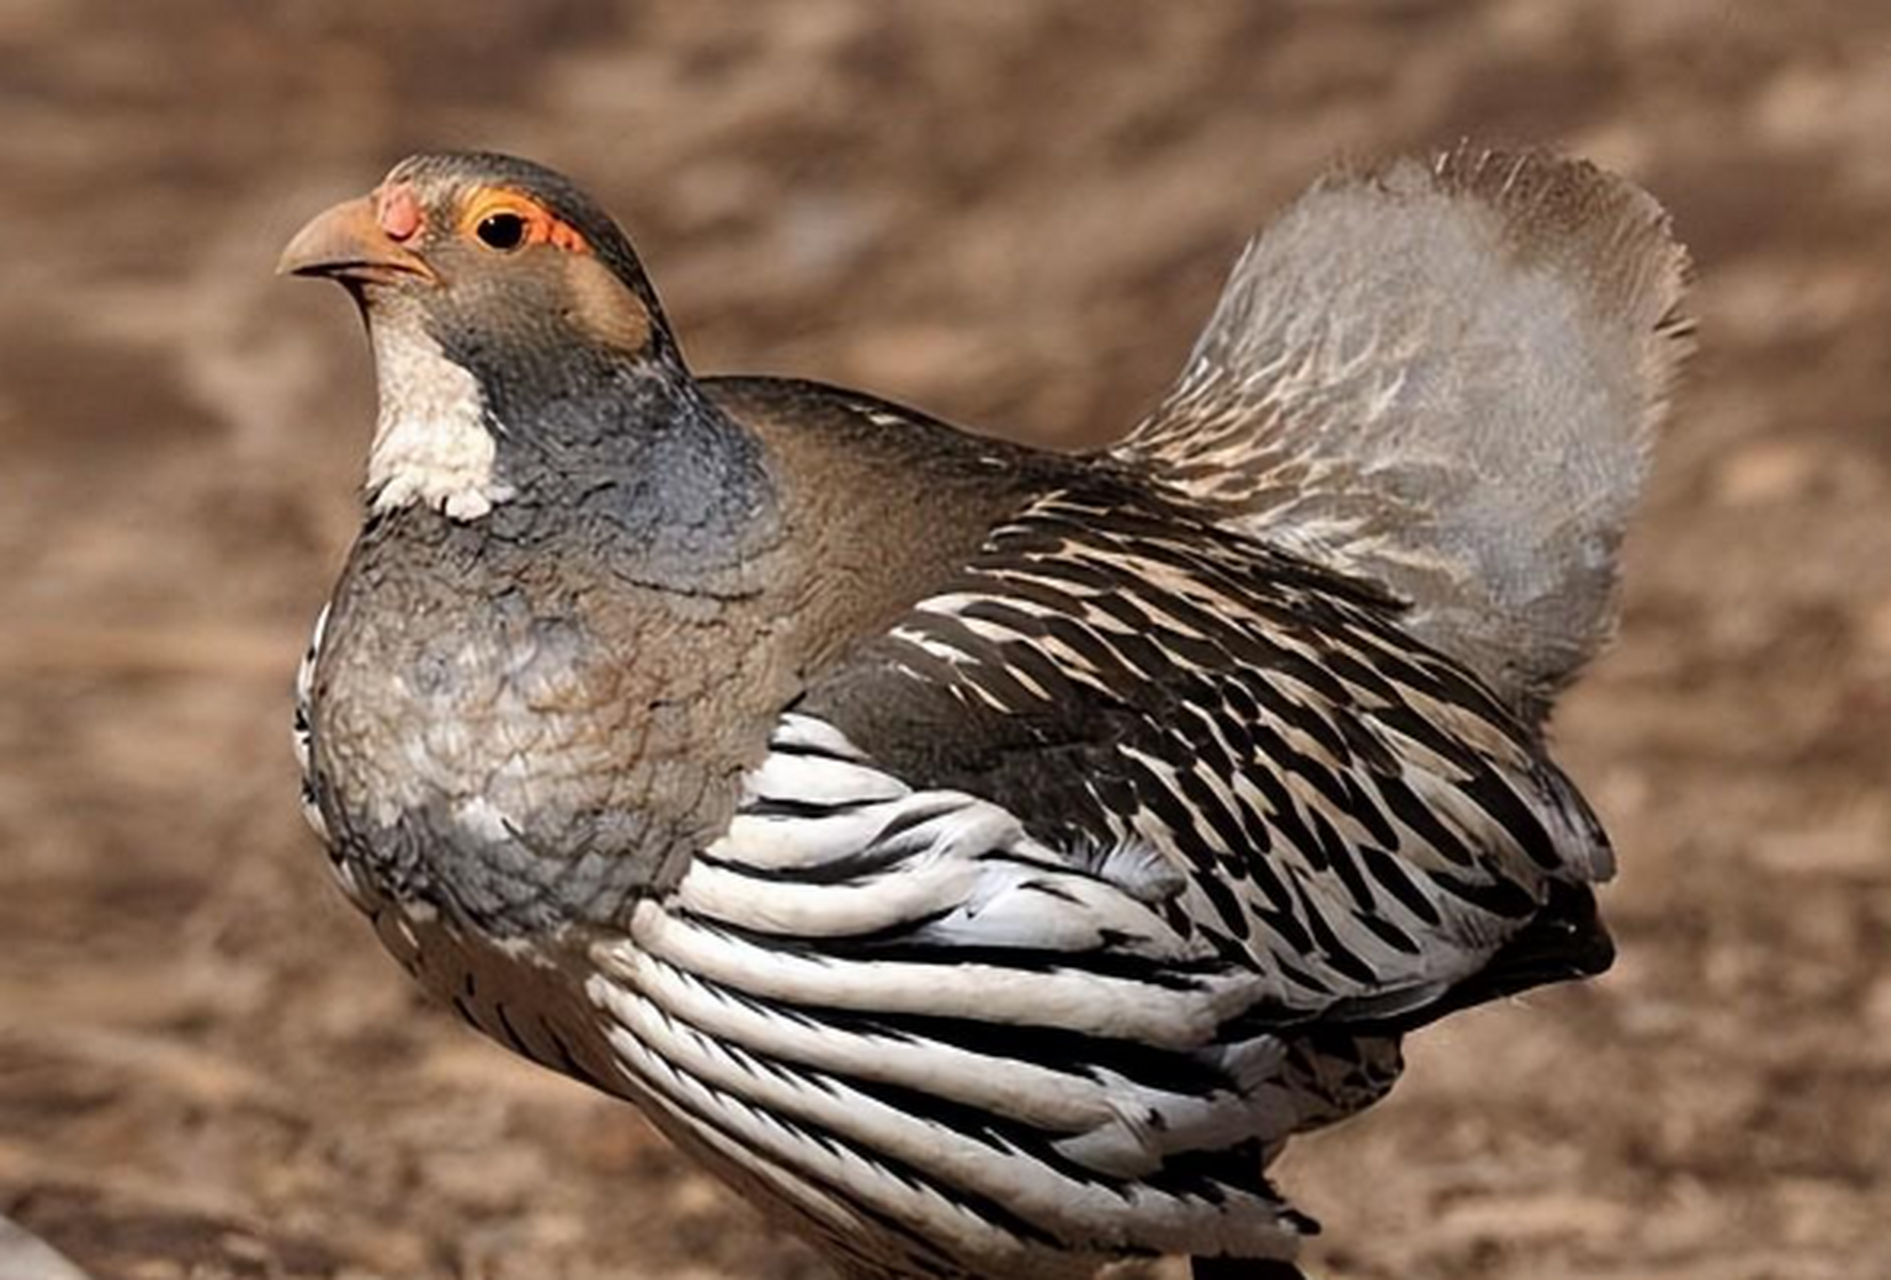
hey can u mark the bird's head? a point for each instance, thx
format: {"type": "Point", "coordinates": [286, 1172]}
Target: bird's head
{"type": "Point", "coordinates": [488, 251]}
{"type": "Point", "coordinates": [497, 296]}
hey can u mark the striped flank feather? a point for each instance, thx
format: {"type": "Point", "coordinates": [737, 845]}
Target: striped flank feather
{"type": "Point", "coordinates": [1084, 1034]}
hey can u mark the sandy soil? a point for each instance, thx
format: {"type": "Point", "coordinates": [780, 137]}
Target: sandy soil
{"type": "Point", "coordinates": [1015, 215]}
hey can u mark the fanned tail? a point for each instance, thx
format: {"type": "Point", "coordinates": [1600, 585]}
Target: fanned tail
{"type": "Point", "coordinates": [1447, 378]}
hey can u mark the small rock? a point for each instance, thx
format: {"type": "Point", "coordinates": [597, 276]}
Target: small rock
{"type": "Point", "coordinates": [24, 1256]}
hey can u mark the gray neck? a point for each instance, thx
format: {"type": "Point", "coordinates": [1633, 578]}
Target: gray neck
{"type": "Point", "coordinates": [629, 455]}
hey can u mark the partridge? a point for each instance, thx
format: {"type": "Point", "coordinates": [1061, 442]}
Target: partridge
{"type": "Point", "coordinates": [983, 858]}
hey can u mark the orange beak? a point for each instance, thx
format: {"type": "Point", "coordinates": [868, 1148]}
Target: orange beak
{"type": "Point", "coordinates": [349, 242]}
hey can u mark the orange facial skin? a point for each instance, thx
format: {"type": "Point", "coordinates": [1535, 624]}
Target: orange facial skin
{"type": "Point", "coordinates": [540, 226]}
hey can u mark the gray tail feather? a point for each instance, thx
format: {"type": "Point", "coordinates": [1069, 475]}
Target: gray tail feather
{"type": "Point", "coordinates": [1446, 377]}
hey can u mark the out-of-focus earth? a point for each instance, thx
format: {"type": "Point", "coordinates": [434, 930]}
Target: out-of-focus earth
{"type": "Point", "coordinates": [1014, 215]}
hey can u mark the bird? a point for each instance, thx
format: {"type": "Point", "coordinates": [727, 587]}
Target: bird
{"type": "Point", "coordinates": [986, 858]}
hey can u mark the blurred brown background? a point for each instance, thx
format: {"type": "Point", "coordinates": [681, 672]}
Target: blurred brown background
{"type": "Point", "coordinates": [1014, 214]}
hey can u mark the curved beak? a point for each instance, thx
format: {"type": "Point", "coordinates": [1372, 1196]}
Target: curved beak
{"type": "Point", "coordinates": [348, 243]}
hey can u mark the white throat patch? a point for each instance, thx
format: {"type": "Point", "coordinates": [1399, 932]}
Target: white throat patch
{"type": "Point", "coordinates": [431, 441]}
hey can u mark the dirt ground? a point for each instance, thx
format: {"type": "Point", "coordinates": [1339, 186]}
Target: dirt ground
{"type": "Point", "coordinates": [1014, 214]}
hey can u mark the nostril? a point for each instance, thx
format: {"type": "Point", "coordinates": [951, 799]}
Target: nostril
{"type": "Point", "coordinates": [399, 213]}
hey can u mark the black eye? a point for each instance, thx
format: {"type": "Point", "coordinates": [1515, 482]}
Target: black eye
{"type": "Point", "coordinates": [502, 231]}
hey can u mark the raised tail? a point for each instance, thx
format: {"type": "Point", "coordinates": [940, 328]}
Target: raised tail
{"type": "Point", "coordinates": [1445, 377]}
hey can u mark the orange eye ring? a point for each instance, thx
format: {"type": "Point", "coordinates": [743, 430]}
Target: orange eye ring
{"type": "Point", "coordinates": [506, 221]}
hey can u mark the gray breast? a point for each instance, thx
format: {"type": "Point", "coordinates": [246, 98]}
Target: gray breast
{"type": "Point", "coordinates": [473, 746]}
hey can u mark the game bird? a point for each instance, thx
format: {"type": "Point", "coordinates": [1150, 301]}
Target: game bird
{"type": "Point", "coordinates": [986, 858]}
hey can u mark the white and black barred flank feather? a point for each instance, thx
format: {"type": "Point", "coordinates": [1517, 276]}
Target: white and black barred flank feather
{"type": "Point", "coordinates": [937, 1031]}
{"type": "Point", "coordinates": [1205, 833]}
